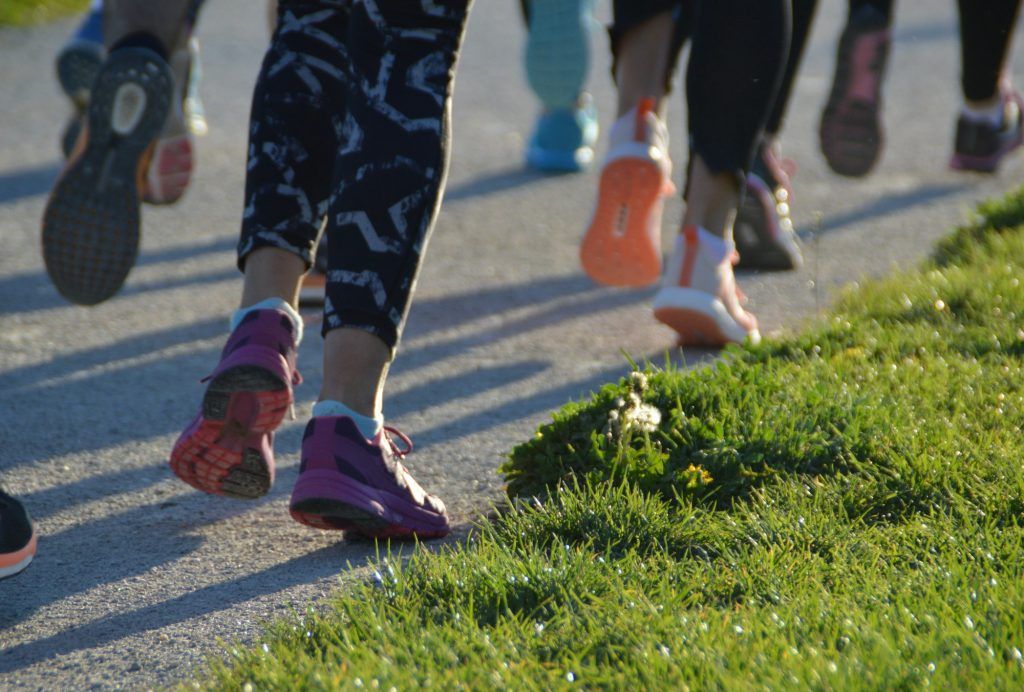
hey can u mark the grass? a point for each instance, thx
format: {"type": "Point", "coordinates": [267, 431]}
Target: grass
{"type": "Point", "coordinates": [837, 509]}
{"type": "Point", "coordinates": [27, 12]}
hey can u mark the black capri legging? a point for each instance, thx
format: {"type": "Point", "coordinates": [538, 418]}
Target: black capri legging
{"type": "Point", "coordinates": [350, 124]}
{"type": "Point", "coordinates": [737, 62]}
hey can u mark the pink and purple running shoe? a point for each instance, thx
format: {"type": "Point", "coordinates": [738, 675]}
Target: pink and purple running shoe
{"type": "Point", "coordinates": [228, 447]}
{"type": "Point", "coordinates": [349, 483]}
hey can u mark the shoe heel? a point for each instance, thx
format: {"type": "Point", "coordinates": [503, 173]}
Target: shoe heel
{"type": "Point", "coordinates": [250, 398]}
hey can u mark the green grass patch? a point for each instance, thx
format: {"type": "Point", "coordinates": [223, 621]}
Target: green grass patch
{"type": "Point", "coordinates": [27, 12]}
{"type": "Point", "coordinates": [841, 508]}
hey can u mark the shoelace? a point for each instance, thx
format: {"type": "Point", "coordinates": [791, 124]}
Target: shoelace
{"type": "Point", "coordinates": [395, 449]}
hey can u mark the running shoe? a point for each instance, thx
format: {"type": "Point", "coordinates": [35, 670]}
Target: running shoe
{"type": "Point", "coordinates": [228, 447]}
{"type": "Point", "coordinates": [564, 138]}
{"type": "Point", "coordinates": [17, 537]}
{"type": "Point", "coordinates": [170, 170]}
{"type": "Point", "coordinates": [347, 482]}
{"type": "Point", "coordinates": [78, 63]}
{"type": "Point", "coordinates": [558, 50]}
{"type": "Point", "coordinates": [763, 230]}
{"type": "Point", "coordinates": [851, 131]}
{"type": "Point", "coordinates": [699, 298]}
{"type": "Point", "coordinates": [91, 223]}
{"type": "Point", "coordinates": [622, 246]}
{"type": "Point", "coordinates": [981, 144]}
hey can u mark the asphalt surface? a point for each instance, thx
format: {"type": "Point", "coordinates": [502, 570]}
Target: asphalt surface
{"type": "Point", "coordinates": [138, 576]}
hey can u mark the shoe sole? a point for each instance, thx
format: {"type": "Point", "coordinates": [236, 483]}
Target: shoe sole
{"type": "Point", "coordinates": [334, 502]}
{"type": "Point", "coordinates": [558, 50]}
{"type": "Point", "coordinates": [91, 222]}
{"type": "Point", "coordinates": [77, 67]}
{"type": "Point", "coordinates": [699, 318]}
{"type": "Point", "coordinates": [240, 405]}
{"type": "Point", "coordinates": [618, 249]}
{"type": "Point", "coordinates": [573, 161]}
{"type": "Point", "coordinates": [850, 133]}
{"type": "Point", "coordinates": [16, 562]}
{"type": "Point", "coordinates": [760, 240]}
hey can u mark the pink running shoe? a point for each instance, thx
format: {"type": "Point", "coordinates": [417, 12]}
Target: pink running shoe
{"type": "Point", "coordinates": [349, 483]}
{"type": "Point", "coordinates": [622, 246]}
{"type": "Point", "coordinates": [699, 298]}
{"type": "Point", "coordinates": [228, 448]}
{"type": "Point", "coordinates": [851, 132]}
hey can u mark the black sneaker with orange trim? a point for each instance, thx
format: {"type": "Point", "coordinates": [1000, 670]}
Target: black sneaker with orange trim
{"type": "Point", "coordinates": [92, 220]}
{"type": "Point", "coordinates": [17, 537]}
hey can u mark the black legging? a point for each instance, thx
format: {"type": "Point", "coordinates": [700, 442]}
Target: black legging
{"type": "Point", "coordinates": [737, 61]}
{"type": "Point", "coordinates": [350, 121]}
{"type": "Point", "coordinates": [985, 31]}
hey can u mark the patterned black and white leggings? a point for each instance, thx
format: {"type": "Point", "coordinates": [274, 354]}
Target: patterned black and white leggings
{"type": "Point", "coordinates": [350, 123]}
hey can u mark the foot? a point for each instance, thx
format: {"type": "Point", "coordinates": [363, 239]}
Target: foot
{"type": "Point", "coordinates": [17, 537]}
{"type": "Point", "coordinates": [851, 128]}
{"type": "Point", "coordinates": [78, 63]}
{"type": "Point", "coordinates": [347, 482]}
{"type": "Point", "coordinates": [699, 298]}
{"type": "Point", "coordinates": [564, 138]}
{"type": "Point", "coordinates": [981, 144]}
{"type": "Point", "coordinates": [91, 222]}
{"type": "Point", "coordinates": [764, 231]}
{"type": "Point", "coordinates": [228, 447]}
{"type": "Point", "coordinates": [622, 246]}
{"type": "Point", "coordinates": [558, 50]}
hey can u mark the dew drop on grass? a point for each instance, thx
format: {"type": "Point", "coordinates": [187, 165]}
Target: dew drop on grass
{"type": "Point", "coordinates": [968, 622]}
{"type": "Point", "coordinates": [570, 676]}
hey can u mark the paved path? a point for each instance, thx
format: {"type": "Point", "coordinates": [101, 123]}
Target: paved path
{"type": "Point", "coordinates": [137, 574]}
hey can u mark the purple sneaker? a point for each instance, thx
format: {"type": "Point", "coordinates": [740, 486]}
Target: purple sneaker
{"type": "Point", "coordinates": [349, 483]}
{"type": "Point", "coordinates": [981, 146]}
{"type": "Point", "coordinates": [228, 448]}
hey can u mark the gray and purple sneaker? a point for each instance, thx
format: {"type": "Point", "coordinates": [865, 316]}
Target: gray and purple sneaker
{"type": "Point", "coordinates": [980, 146]}
{"type": "Point", "coordinates": [349, 483]}
{"type": "Point", "coordinates": [228, 447]}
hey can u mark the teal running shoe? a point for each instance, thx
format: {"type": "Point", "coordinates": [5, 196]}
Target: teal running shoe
{"type": "Point", "coordinates": [564, 138]}
{"type": "Point", "coordinates": [558, 50]}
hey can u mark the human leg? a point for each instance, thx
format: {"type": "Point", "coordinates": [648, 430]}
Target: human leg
{"type": "Point", "coordinates": [989, 126]}
{"type": "Point", "coordinates": [387, 191]}
{"type": "Point", "coordinates": [622, 244]}
{"type": "Point", "coordinates": [736, 63]}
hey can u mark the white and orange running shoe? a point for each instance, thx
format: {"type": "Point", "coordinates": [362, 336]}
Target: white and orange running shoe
{"type": "Point", "coordinates": [622, 246]}
{"type": "Point", "coordinates": [699, 297]}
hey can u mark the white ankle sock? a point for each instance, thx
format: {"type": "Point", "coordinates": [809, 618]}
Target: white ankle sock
{"type": "Point", "coordinates": [271, 304]}
{"type": "Point", "coordinates": [719, 248]}
{"type": "Point", "coordinates": [368, 426]}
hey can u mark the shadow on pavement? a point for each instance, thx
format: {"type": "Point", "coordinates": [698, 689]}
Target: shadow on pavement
{"type": "Point", "coordinates": [318, 564]}
{"type": "Point", "coordinates": [493, 183]}
{"type": "Point", "coordinates": [27, 182]}
{"type": "Point", "coordinates": [886, 204]}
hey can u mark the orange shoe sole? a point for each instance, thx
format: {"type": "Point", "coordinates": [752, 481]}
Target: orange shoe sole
{"type": "Point", "coordinates": [618, 248]}
{"type": "Point", "coordinates": [693, 327]}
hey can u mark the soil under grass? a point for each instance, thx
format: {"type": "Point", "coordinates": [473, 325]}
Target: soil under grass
{"type": "Point", "coordinates": [26, 12]}
{"type": "Point", "coordinates": [841, 508]}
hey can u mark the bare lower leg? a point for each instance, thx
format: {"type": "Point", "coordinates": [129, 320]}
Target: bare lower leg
{"type": "Point", "coordinates": [712, 199]}
{"type": "Point", "coordinates": [164, 19]}
{"type": "Point", "coordinates": [355, 367]}
{"type": "Point", "coordinates": [272, 273]}
{"type": "Point", "coordinates": [642, 62]}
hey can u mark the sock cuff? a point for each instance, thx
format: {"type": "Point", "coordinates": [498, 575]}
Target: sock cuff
{"type": "Point", "coordinates": [271, 304]}
{"type": "Point", "coordinates": [368, 426]}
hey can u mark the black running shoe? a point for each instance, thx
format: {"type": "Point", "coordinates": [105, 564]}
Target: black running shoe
{"type": "Point", "coordinates": [763, 231]}
{"type": "Point", "coordinates": [981, 145]}
{"type": "Point", "coordinates": [91, 222]}
{"type": "Point", "coordinates": [17, 537]}
{"type": "Point", "coordinates": [851, 132]}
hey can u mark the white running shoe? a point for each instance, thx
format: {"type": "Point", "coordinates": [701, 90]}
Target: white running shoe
{"type": "Point", "coordinates": [699, 298]}
{"type": "Point", "coordinates": [622, 246]}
